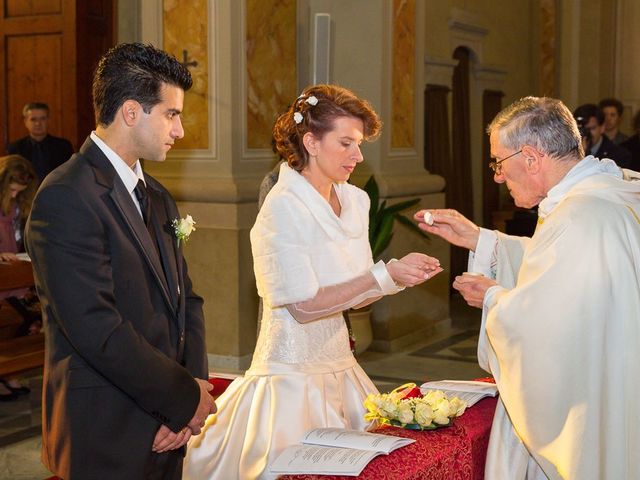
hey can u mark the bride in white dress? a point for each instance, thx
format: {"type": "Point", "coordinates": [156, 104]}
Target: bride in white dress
{"type": "Point", "coordinates": [312, 261]}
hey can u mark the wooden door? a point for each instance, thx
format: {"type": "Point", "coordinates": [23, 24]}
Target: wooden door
{"type": "Point", "coordinates": [48, 50]}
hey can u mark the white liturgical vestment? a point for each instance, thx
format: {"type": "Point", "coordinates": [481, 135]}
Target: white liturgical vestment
{"type": "Point", "coordinates": [561, 334]}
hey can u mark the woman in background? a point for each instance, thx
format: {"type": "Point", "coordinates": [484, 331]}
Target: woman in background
{"type": "Point", "coordinates": [18, 185]}
{"type": "Point", "coordinates": [312, 261]}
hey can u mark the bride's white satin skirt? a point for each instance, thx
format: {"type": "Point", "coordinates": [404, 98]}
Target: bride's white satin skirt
{"type": "Point", "coordinates": [269, 409]}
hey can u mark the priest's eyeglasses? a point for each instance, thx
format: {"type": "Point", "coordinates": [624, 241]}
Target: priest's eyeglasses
{"type": "Point", "coordinates": [497, 167]}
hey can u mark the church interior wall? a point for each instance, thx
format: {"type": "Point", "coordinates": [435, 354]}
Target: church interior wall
{"type": "Point", "coordinates": [219, 183]}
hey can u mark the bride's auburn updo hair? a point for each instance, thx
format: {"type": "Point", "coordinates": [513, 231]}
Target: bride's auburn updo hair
{"type": "Point", "coordinates": [315, 111]}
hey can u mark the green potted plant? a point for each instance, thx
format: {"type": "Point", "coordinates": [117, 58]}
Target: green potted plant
{"type": "Point", "coordinates": [382, 218]}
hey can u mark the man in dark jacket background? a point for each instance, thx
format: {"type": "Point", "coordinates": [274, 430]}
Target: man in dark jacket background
{"type": "Point", "coordinates": [44, 151]}
{"type": "Point", "coordinates": [591, 121]}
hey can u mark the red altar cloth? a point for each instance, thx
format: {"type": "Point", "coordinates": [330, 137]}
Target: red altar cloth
{"type": "Point", "coordinates": [219, 385]}
{"type": "Point", "coordinates": [452, 453]}
{"type": "Point", "coordinates": [457, 452]}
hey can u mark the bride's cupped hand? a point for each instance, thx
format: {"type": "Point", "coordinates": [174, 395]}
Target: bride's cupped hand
{"type": "Point", "coordinates": [414, 269]}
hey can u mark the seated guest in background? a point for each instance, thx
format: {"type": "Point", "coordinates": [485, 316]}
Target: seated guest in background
{"type": "Point", "coordinates": [560, 329]}
{"type": "Point", "coordinates": [44, 151]}
{"type": "Point", "coordinates": [312, 261]}
{"type": "Point", "coordinates": [612, 110]}
{"type": "Point", "coordinates": [18, 185]}
{"type": "Point", "coordinates": [591, 122]}
{"type": "Point", "coordinates": [633, 144]}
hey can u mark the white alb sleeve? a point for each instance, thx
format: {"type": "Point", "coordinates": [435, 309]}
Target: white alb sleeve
{"type": "Point", "coordinates": [336, 298]}
{"type": "Point", "coordinates": [483, 260]}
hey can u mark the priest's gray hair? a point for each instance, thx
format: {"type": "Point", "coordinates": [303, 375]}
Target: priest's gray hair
{"type": "Point", "coordinates": [542, 122]}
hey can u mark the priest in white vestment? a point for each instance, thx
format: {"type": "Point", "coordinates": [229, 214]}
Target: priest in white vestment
{"type": "Point", "coordinates": [561, 310]}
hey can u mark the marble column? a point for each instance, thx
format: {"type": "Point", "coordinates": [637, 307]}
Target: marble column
{"type": "Point", "coordinates": [231, 49]}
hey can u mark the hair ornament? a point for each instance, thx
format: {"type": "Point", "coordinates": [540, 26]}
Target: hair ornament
{"type": "Point", "coordinates": [310, 100]}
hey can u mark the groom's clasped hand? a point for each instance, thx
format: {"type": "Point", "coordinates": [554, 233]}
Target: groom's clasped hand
{"type": "Point", "coordinates": [166, 439]}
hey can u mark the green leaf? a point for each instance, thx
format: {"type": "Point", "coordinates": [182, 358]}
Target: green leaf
{"type": "Point", "coordinates": [398, 207]}
{"type": "Point", "coordinates": [383, 237]}
{"type": "Point", "coordinates": [382, 218]}
{"type": "Point", "coordinates": [412, 226]}
{"type": "Point", "coordinates": [371, 187]}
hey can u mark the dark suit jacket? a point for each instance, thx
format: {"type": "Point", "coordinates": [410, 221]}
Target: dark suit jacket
{"type": "Point", "coordinates": [633, 145]}
{"type": "Point", "coordinates": [124, 330]}
{"type": "Point", "coordinates": [55, 150]}
{"type": "Point", "coordinates": [608, 149]}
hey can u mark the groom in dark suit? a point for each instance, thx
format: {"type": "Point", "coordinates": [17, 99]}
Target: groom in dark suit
{"type": "Point", "coordinates": [126, 367]}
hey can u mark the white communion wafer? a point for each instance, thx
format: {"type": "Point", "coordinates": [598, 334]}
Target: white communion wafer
{"type": "Point", "coordinates": [428, 218]}
{"type": "Point", "coordinates": [472, 274]}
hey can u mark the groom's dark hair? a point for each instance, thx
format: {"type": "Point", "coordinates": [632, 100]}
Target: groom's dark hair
{"type": "Point", "coordinates": [134, 71]}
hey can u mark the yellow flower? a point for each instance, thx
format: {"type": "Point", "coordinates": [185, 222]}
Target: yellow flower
{"type": "Point", "coordinates": [389, 408]}
{"type": "Point", "coordinates": [405, 412]}
{"type": "Point", "coordinates": [457, 406]}
{"type": "Point", "coordinates": [434, 396]}
{"type": "Point", "coordinates": [429, 411]}
{"type": "Point", "coordinates": [424, 413]}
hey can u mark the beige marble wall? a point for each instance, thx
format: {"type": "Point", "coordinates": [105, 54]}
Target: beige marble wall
{"type": "Point", "coordinates": [220, 264]}
{"type": "Point", "coordinates": [184, 35]}
{"type": "Point", "coordinates": [627, 87]}
{"type": "Point", "coordinates": [271, 65]}
{"type": "Point", "coordinates": [403, 71]}
{"type": "Point", "coordinates": [548, 18]}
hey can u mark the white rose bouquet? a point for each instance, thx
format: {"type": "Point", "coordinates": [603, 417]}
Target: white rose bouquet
{"type": "Point", "coordinates": [182, 227]}
{"type": "Point", "coordinates": [407, 407]}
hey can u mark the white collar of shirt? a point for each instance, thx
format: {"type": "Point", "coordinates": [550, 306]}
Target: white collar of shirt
{"type": "Point", "coordinates": [596, 147]}
{"type": "Point", "coordinates": [128, 175]}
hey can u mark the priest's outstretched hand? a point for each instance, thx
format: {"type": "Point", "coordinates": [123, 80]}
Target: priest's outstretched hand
{"type": "Point", "coordinates": [450, 225]}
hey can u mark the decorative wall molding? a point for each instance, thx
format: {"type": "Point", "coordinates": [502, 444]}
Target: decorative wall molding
{"type": "Point", "coordinates": [439, 71]}
{"type": "Point", "coordinates": [151, 22]}
{"type": "Point", "coordinates": [467, 29]}
{"type": "Point", "coordinates": [321, 48]}
{"type": "Point", "coordinates": [468, 22]}
{"type": "Point", "coordinates": [490, 77]}
{"type": "Point", "coordinates": [228, 362]}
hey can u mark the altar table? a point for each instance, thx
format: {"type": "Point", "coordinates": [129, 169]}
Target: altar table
{"type": "Point", "coordinates": [457, 452]}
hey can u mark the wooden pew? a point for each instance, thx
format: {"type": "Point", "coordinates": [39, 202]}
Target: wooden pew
{"type": "Point", "coordinates": [20, 354]}
{"type": "Point", "coordinates": [14, 275]}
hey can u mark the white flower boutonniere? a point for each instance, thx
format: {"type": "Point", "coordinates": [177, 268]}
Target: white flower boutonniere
{"type": "Point", "coordinates": [183, 227]}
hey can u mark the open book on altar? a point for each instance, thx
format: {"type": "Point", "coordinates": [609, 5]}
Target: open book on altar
{"type": "Point", "coordinates": [469, 391]}
{"type": "Point", "coordinates": [335, 451]}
